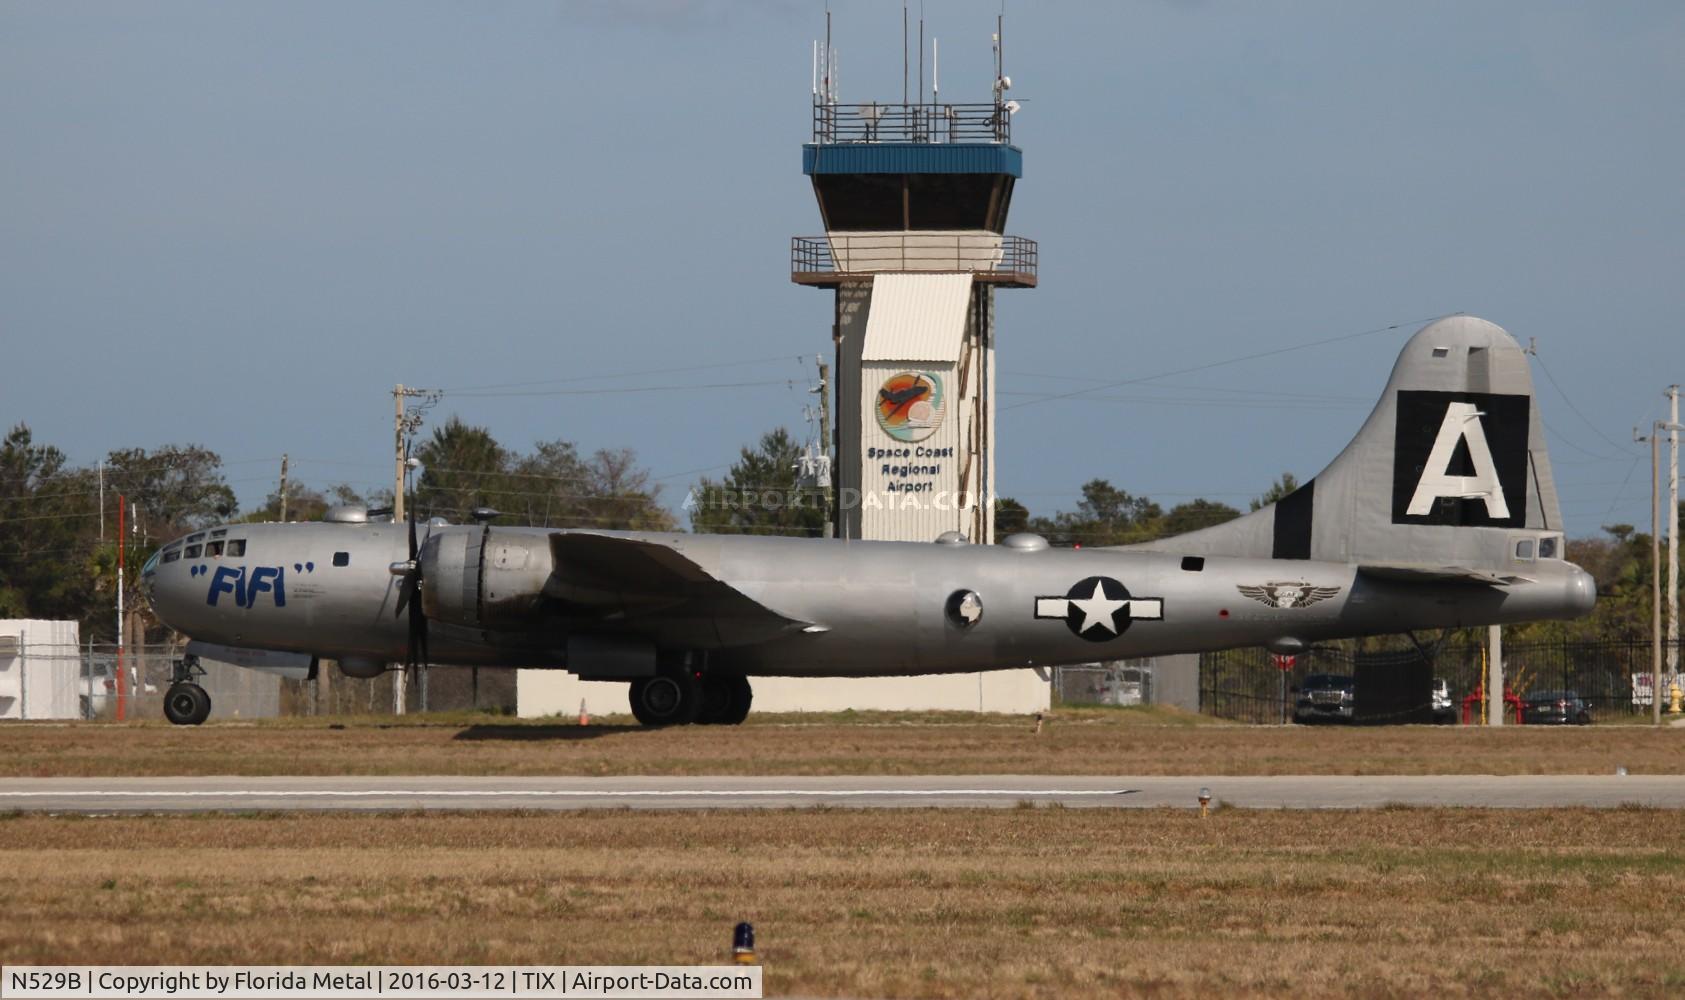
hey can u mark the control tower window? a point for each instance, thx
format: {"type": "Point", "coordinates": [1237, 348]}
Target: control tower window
{"type": "Point", "coordinates": [949, 201]}
{"type": "Point", "coordinates": [862, 201]}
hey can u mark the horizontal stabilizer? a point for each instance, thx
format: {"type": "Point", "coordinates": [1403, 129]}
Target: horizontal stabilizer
{"type": "Point", "coordinates": [1410, 573]}
{"type": "Point", "coordinates": [654, 590]}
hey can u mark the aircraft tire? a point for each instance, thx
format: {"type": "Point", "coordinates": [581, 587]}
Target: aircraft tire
{"type": "Point", "coordinates": [725, 699]}
{"type": "Point", "coordinates": [186, 704]}
{"type": "Point", "coordinates": [670, 698]}
{"type": "Point", "coordinates": [742, 696]}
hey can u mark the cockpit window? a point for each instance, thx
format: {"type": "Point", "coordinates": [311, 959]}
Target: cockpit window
{"type": "Point", "coordinates": [236, 547]}
{"type": "Point", "coordinates": [192, 551]}
{"type": "Point", "coordinates": [218, 533]}
{"type": "Point", "coordinates": [1547, 547]}
{"type": "Point", "coordinates": [171, 555]}
{"type": "Point", "coordinates": [196, 537]}
{"type": "Point", "coordinates": [213, 550]}
{"type": "Point", "coordinates": [342, 558]}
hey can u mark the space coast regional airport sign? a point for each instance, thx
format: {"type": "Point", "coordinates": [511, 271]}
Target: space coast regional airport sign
{"type": "Point", "coordinates": [909, 408]}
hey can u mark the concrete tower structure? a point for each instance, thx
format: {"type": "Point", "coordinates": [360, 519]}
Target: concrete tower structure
{"type": "Point", "coordinates": [914, 200]}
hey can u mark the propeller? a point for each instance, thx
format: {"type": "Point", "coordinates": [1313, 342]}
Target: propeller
{"type": "Point", "coordinates": [409, 598]}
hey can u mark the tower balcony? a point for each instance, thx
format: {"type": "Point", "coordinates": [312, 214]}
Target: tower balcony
{"type": "Point", "coordinates": [835, 124]}
{"type": "Point", "coordinates": [828, 261]}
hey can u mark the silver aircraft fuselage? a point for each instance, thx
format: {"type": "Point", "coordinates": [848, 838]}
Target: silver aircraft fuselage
{"type": "Point", "coordinates": [863, 608]}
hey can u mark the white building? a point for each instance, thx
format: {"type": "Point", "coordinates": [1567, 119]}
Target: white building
{"type": "Point", "coordinates": [40, 666]}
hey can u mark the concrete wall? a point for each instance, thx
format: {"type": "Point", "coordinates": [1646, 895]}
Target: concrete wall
{"type": "Point", "coordinates": [556, 692]}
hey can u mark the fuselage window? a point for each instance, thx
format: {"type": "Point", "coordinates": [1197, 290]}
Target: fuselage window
{"type": "Point", "coordinates": [1524, 549]}
{"type": "Point", "coordinates": [236, 547]}
{"type": "Point", "coordinates": [213, 550]}
{"type": "Point", "coordinates": [342, 558]}
{"type": "Point", "coordinates": [192, 551]}
{"type": "Point", "coordinates": [172, 556]}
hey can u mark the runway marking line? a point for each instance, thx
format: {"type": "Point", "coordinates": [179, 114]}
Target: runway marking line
{"type": "Point", "coordinates": [568, 792]}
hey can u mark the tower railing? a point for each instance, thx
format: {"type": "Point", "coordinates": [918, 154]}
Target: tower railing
{"type": "Point", "coordinates": [826, 260]}
{"type": "Point", "coordinates": [934, 123]}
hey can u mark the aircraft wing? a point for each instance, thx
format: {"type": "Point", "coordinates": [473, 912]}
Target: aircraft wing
{"type": "Point", "coordinates": [1418, 573]}
{"type": "Point", "coordinates": [655, 590]}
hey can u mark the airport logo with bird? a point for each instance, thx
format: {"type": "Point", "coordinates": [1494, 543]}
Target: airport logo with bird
{"type": "Point", "coordinates": [910, 405]}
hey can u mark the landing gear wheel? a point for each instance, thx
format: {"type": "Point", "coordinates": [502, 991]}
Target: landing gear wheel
{"type": "Point", "coordinates": [186, 704]}
{"type": "Point", "coordinates": [725, 699]}
{"type": "Point", "coordinates": [670, 698]}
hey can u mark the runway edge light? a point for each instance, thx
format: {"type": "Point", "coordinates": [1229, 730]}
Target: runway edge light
{"type": "Point", "coordinates": [743, 943]}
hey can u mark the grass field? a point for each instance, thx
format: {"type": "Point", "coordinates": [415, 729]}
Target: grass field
{"type": "Point", "coordinates": [1091, 741]}
{"type": "Point", "coordinates": [1026, 902]}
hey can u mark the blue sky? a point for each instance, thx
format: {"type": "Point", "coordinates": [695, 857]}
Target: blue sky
{"type": "Point", "coordinates": [239, 224]}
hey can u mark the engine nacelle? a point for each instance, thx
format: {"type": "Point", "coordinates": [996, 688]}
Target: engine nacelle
{"type": "Point", "coordinates": [361, 667]}
{"type": "Point", "coordinates": [482, 577]}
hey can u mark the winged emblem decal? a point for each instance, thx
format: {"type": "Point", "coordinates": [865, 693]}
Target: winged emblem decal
{"type": "Point", "coordinates": [1287, 593]}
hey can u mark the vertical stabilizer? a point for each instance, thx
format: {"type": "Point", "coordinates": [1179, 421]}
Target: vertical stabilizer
{"type": "Point", "coordinates": [1450, 470]}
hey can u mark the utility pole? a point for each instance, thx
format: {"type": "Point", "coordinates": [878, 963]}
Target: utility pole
{"type": "Point", "coordinates": [102, 501]}
{"type": "Point", "coordinates": [283, 487]}
{"type": "Point", "coordinates": [398, 436]}
{"type": "Point", "coordinates": [1655, 577]}
{"type": "Point", "coordinates": [404, 426]}
{"type": "Point", "coordinates": [122, 685]}
{"type": "Point", "coordinates": [1495, 704]}
{"type": "Point", "coordinates": [1672, 532]}
{"type": "Point", "coordinates": [825, 440]}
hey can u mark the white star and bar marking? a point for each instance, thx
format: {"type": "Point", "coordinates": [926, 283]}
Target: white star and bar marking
{"type": "Point", "coordinates": [1100, 608]}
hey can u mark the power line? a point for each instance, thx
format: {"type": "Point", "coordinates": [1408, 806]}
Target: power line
{"type": "Point", "coordinates": [1220, 364]}
{"type": "Point", "coordinates": [646, 371]}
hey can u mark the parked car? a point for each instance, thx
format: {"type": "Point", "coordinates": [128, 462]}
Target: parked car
{"type": "Point", "coordinates": [1555, 708]}
{"type": "Point", "coordinates": [1326, 698]}
{"type": "Point", "coordinates": [1444, 709]}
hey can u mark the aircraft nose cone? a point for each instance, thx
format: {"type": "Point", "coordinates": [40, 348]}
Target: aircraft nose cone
{"type": "Point", "coordinates": [1582, 591]}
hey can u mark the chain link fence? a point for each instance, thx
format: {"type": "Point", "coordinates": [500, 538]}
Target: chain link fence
{"type": "Point", "coordinates": [1612, 676]}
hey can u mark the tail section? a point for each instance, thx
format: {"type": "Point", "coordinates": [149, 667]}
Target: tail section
{"type": "Point", "coordinates": [1447, 477]}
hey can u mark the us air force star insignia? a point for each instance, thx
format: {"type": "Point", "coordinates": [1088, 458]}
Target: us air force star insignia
{"type": "Point", "coordinates": [1099, 608]}
{"type": "Point", "coordinates": [1287, 593]}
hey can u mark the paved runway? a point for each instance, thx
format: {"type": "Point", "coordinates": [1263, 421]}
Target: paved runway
{"type": "Point", "coordinates": [302, 794]}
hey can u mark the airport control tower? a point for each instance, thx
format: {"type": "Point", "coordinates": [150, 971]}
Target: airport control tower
{"type": "Point", "coordinates": [914, 200]}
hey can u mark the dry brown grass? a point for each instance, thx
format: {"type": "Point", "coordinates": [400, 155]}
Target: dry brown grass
{"type": "Point", "coordinates": [1079, 742]}
{"type": "Point", "coordinates": [1027, 902]}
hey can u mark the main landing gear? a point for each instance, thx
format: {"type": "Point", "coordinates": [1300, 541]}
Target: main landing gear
{"type": "Point", "coordinates": [680, 694]}
{"type": "Point", "coordinates": [185, 702]}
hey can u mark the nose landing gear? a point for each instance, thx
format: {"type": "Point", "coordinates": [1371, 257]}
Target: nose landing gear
{"type": "Point", "coordinates": [185, 702]}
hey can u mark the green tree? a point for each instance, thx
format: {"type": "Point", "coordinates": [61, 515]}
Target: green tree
{"type": "Point", "coordinates": [174, 488]}
{"type": "Point", "coordinates": [1106, 515]}
{"type": "Point", "coordinates": [1280, 488]}
{"type": "Point", "coordinates": [1196, 514]}
{"type": "Point", "coordinates": [1011, 517]}
{"type": "Point", "coordinates": [463, 467]}
{"type": "Point", "coordinates": [48, 531]}
{"type": "Point", "coordinates": [620, 495]}
{"type": "Point", "coordinates": [759, 494]}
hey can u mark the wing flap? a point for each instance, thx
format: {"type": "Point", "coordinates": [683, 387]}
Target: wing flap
{"type": "Point", "coordinates": [656, 590]}
{"type": "Point", "coordinates": [1421, 573]}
